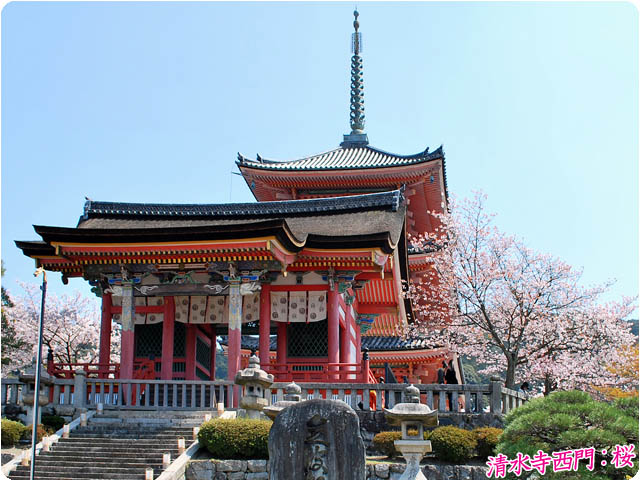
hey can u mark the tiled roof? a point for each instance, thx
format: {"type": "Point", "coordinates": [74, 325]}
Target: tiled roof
{"type": "Point", "coordinates": [389, 201]}
{"type": "Point", "coordinates": [361, 157]}
{"type": "Point", "coordinates": [389, 343]}
{"type": "Point", "coordinates": [373, 343]}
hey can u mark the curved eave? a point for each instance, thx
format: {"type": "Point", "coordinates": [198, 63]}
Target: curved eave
{"type": "Point", "coordinates": [273, 228]}
{"type": "Point", "coordinates": [381, 241]}
{"type": "Point", "coordinates": [294, 165]}
{"type": "Point", "coordinates": [35, 248]}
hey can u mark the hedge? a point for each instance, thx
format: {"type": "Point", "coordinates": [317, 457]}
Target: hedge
{"type": "Point", "coordinates": [453, 444]}
{"type": "Point", "coordinates": [236, 438]}
{"type": "Point", "coordinates": [383, 442]}
{"type": "Point", "coordinates": [487, 440]}
{"type": "Point", "coordinates": [11, 432]}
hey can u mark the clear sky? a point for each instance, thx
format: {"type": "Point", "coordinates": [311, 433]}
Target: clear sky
{"type": "Point", "coordinates": [535, 103]}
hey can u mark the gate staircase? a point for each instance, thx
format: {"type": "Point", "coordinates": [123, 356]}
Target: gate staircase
{"type": "Point", "coordinates": [115, 446]}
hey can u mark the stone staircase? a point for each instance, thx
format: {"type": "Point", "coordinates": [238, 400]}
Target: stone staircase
{"type": "Point", "coordinates": [116, 446]}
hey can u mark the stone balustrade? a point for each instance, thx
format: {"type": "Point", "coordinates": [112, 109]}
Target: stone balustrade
{"type": "Point", "coordinates": [468, 398]}
{"type": "Point", "coordinates": [195, 395]}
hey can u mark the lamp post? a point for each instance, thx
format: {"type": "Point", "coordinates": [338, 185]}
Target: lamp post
{"type": "Point", "coordinates": [36, 406]}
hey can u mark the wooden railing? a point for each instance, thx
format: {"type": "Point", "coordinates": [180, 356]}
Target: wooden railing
{"type": "Point", "coordinates": [151, 394]}
{"type": "Point", "coordinates": [66, 370]}
{"type": "Point", "coordinates": [316, 372]}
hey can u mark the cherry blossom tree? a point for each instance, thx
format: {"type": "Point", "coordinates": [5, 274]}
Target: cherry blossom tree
{"type": "Point", "coordinates": [71, 327]}
{"type": "Point", "coordinates": [490, 297]}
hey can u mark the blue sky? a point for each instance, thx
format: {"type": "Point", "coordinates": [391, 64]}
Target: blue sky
{"type": "Point", "coordinates": [535, 103]}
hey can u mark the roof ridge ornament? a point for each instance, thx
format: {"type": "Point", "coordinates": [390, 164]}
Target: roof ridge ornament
{"type": "Point", "coordinates": [357, 137]}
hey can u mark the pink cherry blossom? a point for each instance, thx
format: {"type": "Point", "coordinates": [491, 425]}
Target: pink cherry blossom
{"type": "Point", "coordinates": [488, 296]}
{"type": "Point", "coordinates": [71, 327]}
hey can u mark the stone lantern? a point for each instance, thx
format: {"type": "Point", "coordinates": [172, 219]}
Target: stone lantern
{"type": "Point", "coordinates": [255, 381]}
{"type": "Point", "coordinates": [29, 378]}
{"type": "Point", "coordinates": [412, 415]}
{"type": "Point", "coordinates": [292, 396]}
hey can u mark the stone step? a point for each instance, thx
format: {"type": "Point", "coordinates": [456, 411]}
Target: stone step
{"type": "Point", "coordinates": [144, 443]}
{"type": "Point", "coordinates": [132, 430]}
{"type": "Point", "coordinates": [93, 469]}
{"type": "Point", "coordinates": [76, 475]}
{"type": "Point", "coordinates": [90, 453]}
{"type": "Point", "coordinates": [129, 436]}
{"type": "Point", "coordinates": [98, 461]}
{"type": "Point", "coordinates": [115, 447]}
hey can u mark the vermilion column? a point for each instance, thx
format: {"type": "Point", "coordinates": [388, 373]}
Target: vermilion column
{"type": "Point", "coordinates": [333, 314]}
{"type": "Point", "coordinates": [265, 325]}
{"type": "Point", "coordinates": [105, 334]}
{"type": "Point", "coordinates": [127, 335]}
{"type": "Point", "coordinates": [358, 343]}
{"type": "Point", "coordinates": [168, 322]}
{"type": "Point", "coordinates": [190, 375]}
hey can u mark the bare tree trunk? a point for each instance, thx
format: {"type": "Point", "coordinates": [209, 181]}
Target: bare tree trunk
{"type": "Point", "coordinates": [549, 384]}
{"type": "Point", "coordinates": [510, 382]}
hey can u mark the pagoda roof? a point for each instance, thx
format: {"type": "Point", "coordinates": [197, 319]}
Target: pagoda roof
{"type": "Point", "coordinates": [372, 343]}
{"type": "Point", "coordinates": [343, 158]}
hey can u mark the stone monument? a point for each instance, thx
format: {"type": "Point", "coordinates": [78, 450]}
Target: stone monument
{"type": "Point", "coordinates": [316, 439]}
{"type": "Point", "coordinates": [412, 415]}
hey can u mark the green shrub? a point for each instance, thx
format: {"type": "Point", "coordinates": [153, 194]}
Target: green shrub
{"type": "Point", "coordinates": [11, 432]}
{"type": "Point", "coordinates": [53, 422]}
{"type": "Point", "coordinates": [453, 444]}
{"type": "Point", "coordinates": [236, 438]}
{"type": "Point", "coordinates": [572, 420]}
{"type": "Point", "coordinates": [383, 441]}
{"type": "Point", "coordinates": [487, 440]}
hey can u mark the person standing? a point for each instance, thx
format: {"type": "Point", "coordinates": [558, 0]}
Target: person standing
{"type": "Point", "coordinates": [441, 371]}
{"type": "Point", "coordinates": [450, 378]}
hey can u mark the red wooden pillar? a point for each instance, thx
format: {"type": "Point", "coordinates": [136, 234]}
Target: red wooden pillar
{"type": "Point", "coordinates": [265, 325]}
{"type": "Point", "coordinates": [358, 343]}
{"type": "Point", "coordinates": [333, 317]}
{"type": "Point", "coordinates": [345, 342]}
{"type": "Point", "coordinates": [168, 322]}
{"type": "Point", "coordinates": [190, 374]}
{"type": "Point", "coordinates": [214, 346]}
{"type": "Point", "coordinates": [105, 334]}
{"type": "Point", "coordinates": [127, 344]}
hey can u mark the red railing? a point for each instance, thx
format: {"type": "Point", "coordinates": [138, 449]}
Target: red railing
{"type": "Point", "coordinates": [66, 370]}
{"type": "Point", "coordinates": [316, 372]}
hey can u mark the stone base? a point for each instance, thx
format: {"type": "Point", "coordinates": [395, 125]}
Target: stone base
{"type": "Point", "coordinates": [413, 451]}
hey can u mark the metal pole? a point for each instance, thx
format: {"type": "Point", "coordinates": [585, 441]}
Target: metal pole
{"type": "Point", "coordinates": [36, 394]}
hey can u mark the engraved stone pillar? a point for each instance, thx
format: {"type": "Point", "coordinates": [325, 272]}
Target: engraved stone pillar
{"type": "Point", "coordinates": [235, 334]}
{"type": "Point", "coordinates": [127, 339]}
